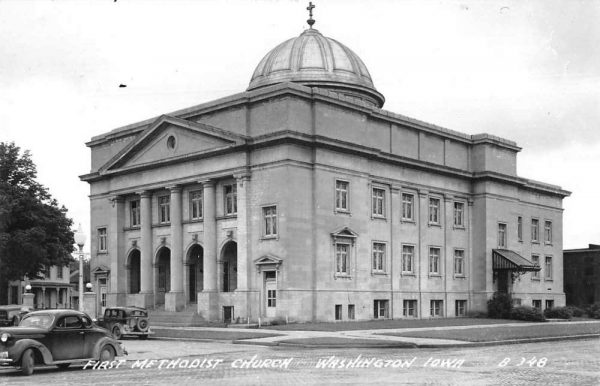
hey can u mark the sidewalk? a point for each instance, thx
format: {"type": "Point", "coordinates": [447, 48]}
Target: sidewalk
{"type": "Point", "coordinates": [425, 337]}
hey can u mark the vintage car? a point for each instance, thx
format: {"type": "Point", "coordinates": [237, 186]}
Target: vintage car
{"type": "Point", "coordinates": [11, 315]}
{"type": "Point", "coordinates": [126, 321]}
{"type": "Point", "coordinates": [56, 337]}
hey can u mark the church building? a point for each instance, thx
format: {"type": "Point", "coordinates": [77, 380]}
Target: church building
{"type": "Point", "coordinates": [301, 198]}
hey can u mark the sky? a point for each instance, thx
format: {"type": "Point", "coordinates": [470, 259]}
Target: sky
{"type": "Point", "coordinates": [528, 71]}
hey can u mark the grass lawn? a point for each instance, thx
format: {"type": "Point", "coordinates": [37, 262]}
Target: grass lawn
{"type": "Point", "coordinates": [211, 334]}
{"type": "Point", "coordinates": [489, 334]}
{"type": "Point", "coordinates": [348, 342]}
{"type": "Point", "coordinates": [385, 324]}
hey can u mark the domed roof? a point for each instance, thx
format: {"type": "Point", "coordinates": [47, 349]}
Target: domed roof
{"type": "Point", "coordinates": [312, 59]}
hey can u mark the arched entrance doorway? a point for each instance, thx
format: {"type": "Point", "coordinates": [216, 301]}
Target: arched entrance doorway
{"type": "Point", "coordinates": [133, 271]}
{"type": "Point", "coordinates": [229, 272]}
{"type": "Point", "coordinates": [163, 274]}
{"type": "Point", "coordinates": [195, 271]}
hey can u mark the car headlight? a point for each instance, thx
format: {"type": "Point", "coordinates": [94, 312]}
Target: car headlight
{"type": "Point", "coordinates": [4, 337]}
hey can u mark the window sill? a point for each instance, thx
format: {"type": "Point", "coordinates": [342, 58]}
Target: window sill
{"type": "Point", "coordinates": [267, 238]}
{"type": "Point", "coordinates": [378, 217]}
{"type": "Point", "coordinates": [408, 221]}
{"type": "Point", "coordinates": [342, 276]}
{"type": "Point", "coordinates": [434, 224]}
{"type": "Point", "coordinates": [535, 242]}
{"type": "Point", "coordinates": [460, 277]}
{"type": "Point", "coordinates": [459, 227]}
{"type": "Point", "coordinates": [134, 228]}
{"type": "Point", "coordinates": [436, 275]}
{"type": "Point", "coordinates": [548, 244]}
{"type": "Point", "coordinates": [101, 253]}
{"type": "Point", "coordinates": [535, 279]}
{"type": "Point", "coordinates": [342, 211]}
{"type": "Point", "coordinates": [227, 217]}
{"type": "Point", "coordinates": [165, 224]}
{"type": "Point", "coordinates": [194, 220]}
{"type": "Point", "coordinates": [546, 279]}
{"type": "Point", "coordinates": [408, 274]}
{"type": "Point", "coordinates": [379, 273]}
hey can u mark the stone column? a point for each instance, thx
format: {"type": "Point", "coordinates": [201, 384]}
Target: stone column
{"type": "Point", "coordinates": [208, 299]}
{"type": "Point", "coordinates": [243, 185]}
{"type": "Point", "coordinates": [174, 300]}
{"type": "Point", "coordinates": [423, 260]}
{"type": "Point", "coordinates": [210, 237]}
{"type": "Point", "coordinates": [116, 248]}
{"type": "Point", "coordinates": [146, 289]}
{"type": "Point", "coordinates": [448, 262]}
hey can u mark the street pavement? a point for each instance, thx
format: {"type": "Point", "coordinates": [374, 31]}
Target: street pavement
{"type": "Point", "coordinates": [566, 362]}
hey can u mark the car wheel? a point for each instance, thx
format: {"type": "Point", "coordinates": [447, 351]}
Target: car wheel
{"type": "Point", "coordinates": [116, 331]}
{"type": "Point", "coordinates": [63, 366]}
{"type": "Point", "coordinates": [27, 362]}
{"type": "Point", "coordinates": [143, 337]}
{"type": "Point", "coordinates": [142, 324]}
{"type": "Point", "coordinates": [107, 354]}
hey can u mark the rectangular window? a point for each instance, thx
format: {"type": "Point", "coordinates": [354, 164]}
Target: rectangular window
{"type": "Point", "coordinates": [434, 210]}
{"type": "Point", "coordinates": [535, 230]}
{"type": "Point", "coordinates": [548, 268]}
{"type": "Point", "coordinates": [378, 257]}
{"type": "Point", "coordinates": [460, 308]}
{"type": "Point", "coordinates": [196, 209]}
{"type": "Point", "coordinates": [230, 199]}
{"type": "Point", "coordinates": [536, 304]}
{"type": "Point", "coordinates": [59, 272]}
{"type": "Point", "coordinates": [378, 201]}
{"type": "Point", "coordinates": [338, 312]}
{"type": "Point", "coordinates": [459, 214]}
{"type": "Point", "coordinates": [164, 209]}
{"type": "Point", "coordinates": [434, 261]}
{"type": "Point", "coordinates": [342, 265]}
{"type": "Point", "coordinates": [270, 216]}
{"type": "Point", "coordinates": [520, 228]}
{"type": "Point", "coordinates": [135, 213]}
{"type": "Point", "coordinates": [535, 259]}
{"type": "Point", "coordinates": [271, 298]}
{"type": "Point", "coordinates": [408, 201]}
{"type": "Point", "coordinates": [459, 262]}
{"type": "Point", "coordinates": [341, 195]}
{"type": "Point", "coordinates": [380, 309]}
{"type": "Point", "coordinates": [408, 258]}
{"type": "Point", "coordinates": [549, 304]}
{"type": "Point", "coordinates": [436, 308]}
{"type": "Point", "coordinates": [548, 232]}
{"type": "Point", "coordinates": [501, 235]}
{"type": "Point", "coordinates": [102, 240]}
{"type": "Point", "coordinates": [351, 311]}
{"type": "Point", "coordinates": [409, 308]}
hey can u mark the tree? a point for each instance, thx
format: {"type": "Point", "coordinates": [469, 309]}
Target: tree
{"type": "Point", "coordinates": [35, 232]}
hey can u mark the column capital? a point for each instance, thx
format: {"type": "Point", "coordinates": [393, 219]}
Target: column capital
{"type": "Point", "coordinates": [470, 201]}
{"type": "Point", "coordinates": [116, 198]}
{"type": "Point", "coordinates": [423, 193]}
{"type": "Point", "coordinates": [395, 188]}
{"type": "Point", "coordinates": [175, 188]}
{"type": "Point", "coordinates": [244, 176]}
{"type": "Point", "coordinates": [207, 183]}
{"type": "Point", "coordinates": [145, 194]}
{"type": "Point", "coordinates": [448, 197]}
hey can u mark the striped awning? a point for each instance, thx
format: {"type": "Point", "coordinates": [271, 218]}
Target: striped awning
{"type": "Point", "coordinates": [507, 260]}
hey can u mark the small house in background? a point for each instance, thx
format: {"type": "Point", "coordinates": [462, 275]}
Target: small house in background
{"type": "Point", "coordinates": [582, 275]}
{"type": "Point", "coordinates": [52, 291]}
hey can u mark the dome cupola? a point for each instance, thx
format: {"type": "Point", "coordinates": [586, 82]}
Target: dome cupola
{"type": "Point", "coordinates": [314, 60]}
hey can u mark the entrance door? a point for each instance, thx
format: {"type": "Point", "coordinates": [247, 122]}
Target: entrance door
{"type": "Point", "coordinates": [192, 282]}
{"type": "Point", "coordinates": [503, 281]}
{"type": "Point", "coordinates": [271, 297]}
{"type": "Point", "coordinates": [102, 290]}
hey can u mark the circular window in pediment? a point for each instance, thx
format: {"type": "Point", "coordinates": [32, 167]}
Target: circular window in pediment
{"type": "Point", "coordinates": [171, 142]}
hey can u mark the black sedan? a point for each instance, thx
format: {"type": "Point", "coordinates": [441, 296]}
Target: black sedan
{"type": "Point", "coordinates": [56, 337]}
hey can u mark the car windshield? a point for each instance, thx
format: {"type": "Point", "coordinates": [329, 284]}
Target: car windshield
{"type": "Point", "coordinates": [43, 321]}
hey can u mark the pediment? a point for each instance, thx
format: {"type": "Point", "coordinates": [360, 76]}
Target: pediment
{"type": "Point", "coordinates": [170, 138]}
{"type": "Point", "coordinates": [101, 269]}
{"type": "Point", "coordinates": [268, 259]}
{"type": "Point", "coordinates": [344, 232]}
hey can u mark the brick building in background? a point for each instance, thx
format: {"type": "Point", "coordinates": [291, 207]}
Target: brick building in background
{"type": "Point", "coordinates": [302, 198]}
{"type": "Point", "coordinates": [582, 275]}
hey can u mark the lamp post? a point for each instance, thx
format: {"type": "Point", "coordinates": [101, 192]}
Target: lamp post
{"type": "Point", "coordinates": [80, 241]}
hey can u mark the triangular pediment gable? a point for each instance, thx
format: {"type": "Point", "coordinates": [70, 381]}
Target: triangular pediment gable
{"type": "Point", "coordinates": [169, 138]}
{"type": "Point", "coordinates": [344, 232]}
{"type": "Point", "coordinates": [268, 259]}
{"type": "Point", "coordinates": [101, 269]}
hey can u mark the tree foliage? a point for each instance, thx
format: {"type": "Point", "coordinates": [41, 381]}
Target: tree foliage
{"type": "Point", "coordinates": [34, 231]}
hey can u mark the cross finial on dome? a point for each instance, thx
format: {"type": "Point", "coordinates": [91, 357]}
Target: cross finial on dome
{"type": "Point", "coordinates": [310, 7]}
